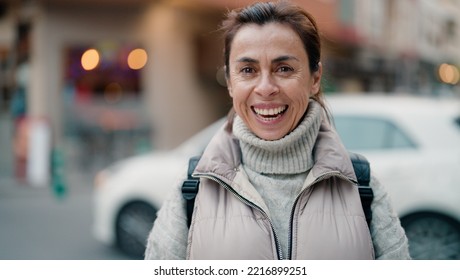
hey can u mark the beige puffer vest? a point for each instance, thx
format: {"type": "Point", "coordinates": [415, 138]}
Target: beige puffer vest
{"type": "Point", "coordinates": [230, 221]}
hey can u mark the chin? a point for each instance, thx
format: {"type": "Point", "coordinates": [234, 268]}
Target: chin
{"type": "Point", "coordinates": [270, 136]}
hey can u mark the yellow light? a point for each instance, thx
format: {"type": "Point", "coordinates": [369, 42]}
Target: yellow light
{"type": "Point", "coordinates": [113, 92]}
{"type": "Point", "coordinates": [449, 74]}
{"type": "Point", "coordinates": [456, 77]}
{"type": "Point", "coordinates": [90, 59]}
{"type": "Point", "coordinates": [137, 59]}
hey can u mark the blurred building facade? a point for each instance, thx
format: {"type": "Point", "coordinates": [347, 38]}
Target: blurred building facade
{"type": "Point", "coordinates": [379, 45]}
{"type": "Point", "coordinates": [390, 45]}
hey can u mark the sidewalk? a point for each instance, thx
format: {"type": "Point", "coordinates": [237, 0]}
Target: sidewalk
{"type": "Point", "coordinates": [75, 183]}
{"type": "Point", "coordinates": [6, 145]}
{"type": "Point", "coordinates": [37, 225]}
{"type": "Point", "coordinates": [12, 187]}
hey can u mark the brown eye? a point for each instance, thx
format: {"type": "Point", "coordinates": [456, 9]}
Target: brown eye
{"type": "Point", "coordinates": [247, 70]}
{"type": "Point", "coordinates": [285, 69]}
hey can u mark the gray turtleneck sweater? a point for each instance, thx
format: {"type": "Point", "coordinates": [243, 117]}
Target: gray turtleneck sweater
{"type": "Point", "coordinates": [277, 169]}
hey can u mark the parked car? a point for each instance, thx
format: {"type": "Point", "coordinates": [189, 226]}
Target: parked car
{"type": "Point", "coordinates": [128, 193]}
{"type": "Point", "coordinates": [412, 143]}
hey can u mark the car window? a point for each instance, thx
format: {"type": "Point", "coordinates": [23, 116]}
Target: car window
{"type": "Point", "coordinates": [366, 133]}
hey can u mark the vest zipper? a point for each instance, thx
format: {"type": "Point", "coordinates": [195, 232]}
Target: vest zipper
{"type": "Point", "coordinates": [317, 180]}
{"type": "Point", "coordinates": [247, 202]}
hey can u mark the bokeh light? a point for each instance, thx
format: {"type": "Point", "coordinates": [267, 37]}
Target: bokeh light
{"type": "Point", "coordinates": [113, 92]}
{"type": "Point", "coordinates": [448, 74]}
{"type": "Point", "coordinates": [90, 59]}
{"type": "Point", "coordinates": [137, 59]}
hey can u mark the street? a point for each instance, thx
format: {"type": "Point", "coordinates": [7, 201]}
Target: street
{"type": "Point", "coordinates": [37, 225]}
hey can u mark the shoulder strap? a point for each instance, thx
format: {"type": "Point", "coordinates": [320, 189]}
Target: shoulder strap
{"type": "Point", "coordinates": [363, 175]}
{"type": "Point", "coordinates": [360, 165]}
{"type": "Point", "coordinates": [190, 188]}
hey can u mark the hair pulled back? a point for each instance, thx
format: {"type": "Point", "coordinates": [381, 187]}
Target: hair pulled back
{"type": "Point", "coordinates": [281, 12]}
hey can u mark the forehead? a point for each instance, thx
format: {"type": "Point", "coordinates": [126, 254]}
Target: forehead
{"type": "Point", "coordinates": [274, 37]}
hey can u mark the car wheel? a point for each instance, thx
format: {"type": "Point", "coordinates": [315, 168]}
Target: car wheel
{"type": "Point", "coordinates": [133, 225]}
{"type": "Point", "coordinates": [432, 236]}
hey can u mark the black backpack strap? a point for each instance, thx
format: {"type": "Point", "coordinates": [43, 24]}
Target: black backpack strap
{"type": "Point", "coordinates": [363, 175]}
{"type": "Point", "coordinates": [361, 167]}
{"type": "Point", "coordinates": [190, 188]}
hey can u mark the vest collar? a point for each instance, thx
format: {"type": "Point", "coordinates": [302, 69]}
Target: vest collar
{"type": "Point", "coordinates": [222, 156]}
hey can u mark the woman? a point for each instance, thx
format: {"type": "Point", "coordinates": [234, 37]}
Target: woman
{"type": "Point", "coordinates": [276, 181]}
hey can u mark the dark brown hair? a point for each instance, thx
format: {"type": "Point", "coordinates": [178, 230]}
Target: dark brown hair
{"type": "Point", "coordinates": [282, 12]}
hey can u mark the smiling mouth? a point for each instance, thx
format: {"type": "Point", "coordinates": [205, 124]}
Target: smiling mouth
{"type": "Point", "coordinates": [270, 114]}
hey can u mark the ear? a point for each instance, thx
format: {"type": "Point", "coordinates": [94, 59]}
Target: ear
{"type": "Point", "coordinates": [229, 88]}
{"type": "Point", "coordinates": [316, 79]}
{"type": "Point", "coordinates": [228, 82]}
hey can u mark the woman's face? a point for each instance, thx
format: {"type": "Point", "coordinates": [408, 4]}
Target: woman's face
{"type": "Point", "coordinates": [269, 79]}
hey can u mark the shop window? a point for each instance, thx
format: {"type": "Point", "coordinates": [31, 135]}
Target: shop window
{"type": "Point", "coordinates": [109, 73]}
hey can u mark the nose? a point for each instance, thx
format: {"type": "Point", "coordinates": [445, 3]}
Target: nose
{"type": "Point", "coordinates": [266, 85]}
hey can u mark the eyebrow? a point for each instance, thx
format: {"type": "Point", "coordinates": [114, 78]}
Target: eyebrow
{"type": "Point", "coordinates": [285, 58]}
{"type": "Point", "coordinates": [276, 60]}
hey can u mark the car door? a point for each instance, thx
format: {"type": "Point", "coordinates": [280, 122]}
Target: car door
{"type": "Point", "coordinates": [395, 156]}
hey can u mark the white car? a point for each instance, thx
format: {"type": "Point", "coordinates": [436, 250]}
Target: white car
{"type": "Point", "coordinates": [412, 143]}
{"type": "Point", "coordinates": [128, 194]}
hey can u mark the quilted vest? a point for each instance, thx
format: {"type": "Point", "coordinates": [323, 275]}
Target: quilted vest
{"type": "Point", "coordinates": [230, 221]}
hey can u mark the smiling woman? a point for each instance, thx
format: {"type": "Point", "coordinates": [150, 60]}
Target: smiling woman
{"type": "Point", "coordinates": [270, 85]}
{"type": "Point", "coordinates": [276, 182]}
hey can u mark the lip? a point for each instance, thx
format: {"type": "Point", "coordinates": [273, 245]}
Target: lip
{"type": "Point", "coordinates": [269, 113]}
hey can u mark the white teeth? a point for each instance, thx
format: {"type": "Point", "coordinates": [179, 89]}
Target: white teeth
{"type": "Point", "coordinates": [270, 112]}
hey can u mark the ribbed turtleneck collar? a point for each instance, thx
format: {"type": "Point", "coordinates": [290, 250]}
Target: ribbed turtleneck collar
{"type": "Point", "coordinates": [291, 154]}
